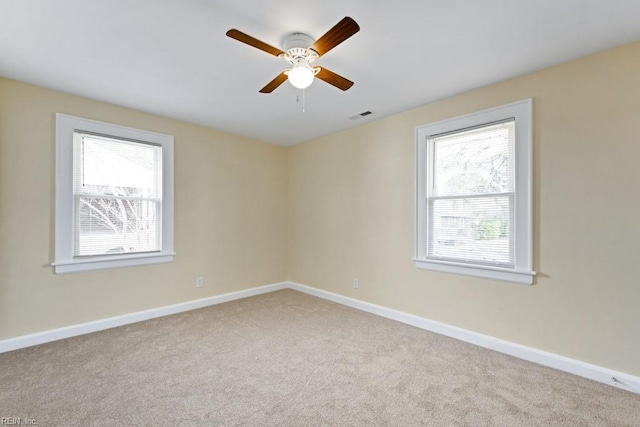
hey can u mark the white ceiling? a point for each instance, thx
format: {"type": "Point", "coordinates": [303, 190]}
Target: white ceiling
{"type": "Point", "coordinates": [172, 57]}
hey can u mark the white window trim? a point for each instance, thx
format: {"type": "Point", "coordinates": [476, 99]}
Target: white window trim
{"type": "Point", "coordinates": [522, 112]}
{"type": "Point", "coordinates": [65, 262]}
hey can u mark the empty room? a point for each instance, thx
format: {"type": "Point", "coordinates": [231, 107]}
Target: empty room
{"type": "Point", "coordinates": [288, 213]}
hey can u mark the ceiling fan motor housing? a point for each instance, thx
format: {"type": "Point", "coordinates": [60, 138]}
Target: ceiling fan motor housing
{"type": "Point", "coordinates": [297, 40]}
{"type": "Point", "coordinates": [298, 54]}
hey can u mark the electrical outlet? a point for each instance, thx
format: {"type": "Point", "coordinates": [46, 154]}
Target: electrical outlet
{"type": "Point", "coordinates": [199, 282]}
{"type": "Point", "coordinates": [356, 284]}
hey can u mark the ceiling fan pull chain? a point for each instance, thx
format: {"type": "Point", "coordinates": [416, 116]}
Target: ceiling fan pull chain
{"type": "Point", "coordinates": [298, 100]}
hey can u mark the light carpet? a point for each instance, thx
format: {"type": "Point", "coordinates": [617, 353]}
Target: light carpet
{"type": "Point", "coordinates": [290, 359]}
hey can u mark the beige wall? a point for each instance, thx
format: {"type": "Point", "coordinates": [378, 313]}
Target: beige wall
{"type": "Point", "coordinates": [351, 202]}
{"type": "Point", "coordinates": [230, 217]}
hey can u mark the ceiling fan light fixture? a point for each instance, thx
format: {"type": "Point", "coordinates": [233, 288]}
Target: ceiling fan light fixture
{"type": "Point", "coordinates": [301, 76]}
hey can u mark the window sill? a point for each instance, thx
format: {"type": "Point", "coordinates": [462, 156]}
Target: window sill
{"type": "Point", "coordinates": [106, 262]}
{"type": "Point", "coordinates": [496, 273]}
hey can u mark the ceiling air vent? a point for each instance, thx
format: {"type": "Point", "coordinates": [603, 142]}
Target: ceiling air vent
{"type": "Point", "coordinates": [360, 115]}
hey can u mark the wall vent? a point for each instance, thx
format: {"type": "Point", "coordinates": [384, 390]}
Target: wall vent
{"type": "Point", "coordinates": [360, 115]}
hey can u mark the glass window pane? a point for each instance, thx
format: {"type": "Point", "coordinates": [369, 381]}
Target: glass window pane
{"type": "Point", "coordinates": [475, 229]}
{"type": "Point", "coordinates": [477, 161]}
{"type": "Point", "coordinates": [117, 168]}
{"type": "Point", "coordinates": [111, 226]}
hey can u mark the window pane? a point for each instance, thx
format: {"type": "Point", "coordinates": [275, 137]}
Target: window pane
{"type": "Point", "coordinates": [477, 161]}
{"type": "Point", "coordinates": [117, 168]}
{"type": "Point", "coordinates": [475, 229]}
{"type": "Point", "coordinates": [111, 226]}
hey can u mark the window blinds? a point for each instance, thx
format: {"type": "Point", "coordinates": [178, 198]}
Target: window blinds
{"type": "Point", "coordinates": [470, 198]}
{"type": "Point", "coordinates": [117, 195]}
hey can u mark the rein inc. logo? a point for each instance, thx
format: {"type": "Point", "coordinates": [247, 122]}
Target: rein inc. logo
{"type": "Point", "coordinates": [17, 421]}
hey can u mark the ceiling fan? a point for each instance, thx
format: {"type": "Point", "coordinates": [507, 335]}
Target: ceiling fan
{"type": "Point", "coordinates": [300, 51]}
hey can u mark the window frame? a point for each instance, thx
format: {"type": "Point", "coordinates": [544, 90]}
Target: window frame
{"type": "Point", "coordinates": [522, 113]}
{"type": "Point", "coordinates": [65, 260]}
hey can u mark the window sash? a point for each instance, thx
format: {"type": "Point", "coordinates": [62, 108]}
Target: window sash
{"type": "Point", "coordinates": [432, 233]}
{"type": "Point", "coordinates": [80, 239]}
{"type": "Point", "coordinates": [470, 137]}
{"type": "Point", "coordinates": [463, 244]}
{"type": "Point", "coordinates": [95, 247]}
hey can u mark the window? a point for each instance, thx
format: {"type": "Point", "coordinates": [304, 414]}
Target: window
{"type": "Point", "coordinates": [114, 196]}
{"type": "Point", "coordinates": [473, 196]}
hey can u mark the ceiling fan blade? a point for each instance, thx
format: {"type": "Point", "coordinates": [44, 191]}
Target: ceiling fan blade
{"type": "Point", "coordinates": [334, 79]}
{"type": "Point", "coordinates": [252, 41]}
{"type": "Point", "coordinates": [273, 84]}
{"type": "Point", "coordinates": [336, 35]}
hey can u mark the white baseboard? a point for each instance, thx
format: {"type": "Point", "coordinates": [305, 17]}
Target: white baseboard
{"type": "Point", "coordinates": [573, 366]}
{"type": "Point", "coordinates": [562, 363]}
{"type": "Point", "coordinates": [112, 322]}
